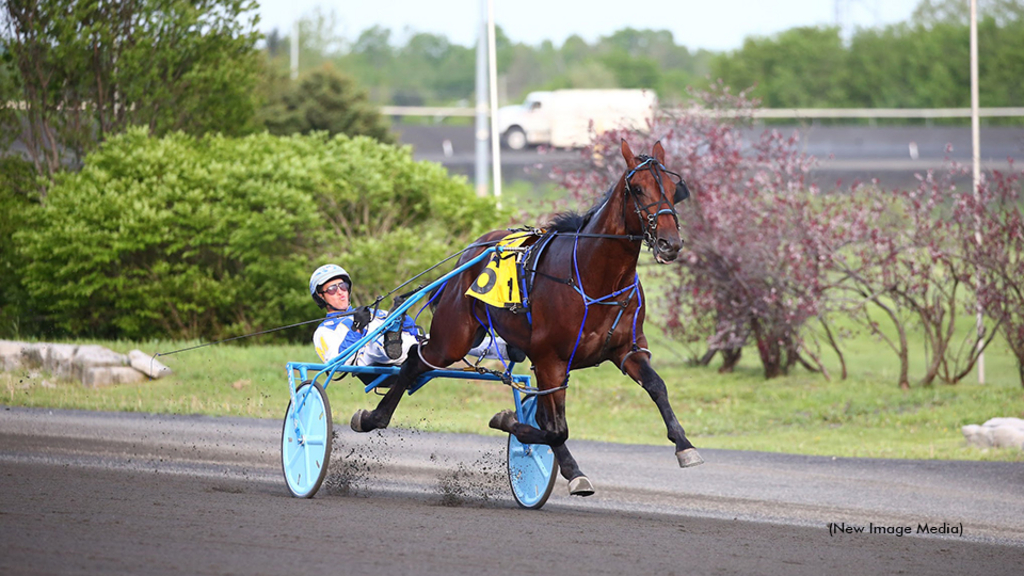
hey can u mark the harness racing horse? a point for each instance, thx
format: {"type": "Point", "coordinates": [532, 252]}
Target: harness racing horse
{"type": "Point", "coordinates": [586, 306]}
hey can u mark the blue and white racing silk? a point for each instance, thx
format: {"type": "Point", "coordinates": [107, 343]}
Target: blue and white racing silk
{"type": "Point", "coordinates": [335, 335]}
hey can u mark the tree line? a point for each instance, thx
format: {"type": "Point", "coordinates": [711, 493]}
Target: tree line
{"type": "Point", "coordinates": [920, 63]}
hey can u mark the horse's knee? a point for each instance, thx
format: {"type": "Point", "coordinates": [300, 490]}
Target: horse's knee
{"type": "Point", "coordinates": [558, 433]}
{"type": "Point", "coordinates": [558, 438]}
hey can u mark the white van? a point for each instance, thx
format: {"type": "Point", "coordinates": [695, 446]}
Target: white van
{"type": "Point", "coordinates": [564, 118]}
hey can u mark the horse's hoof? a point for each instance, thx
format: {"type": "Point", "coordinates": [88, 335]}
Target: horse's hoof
{"type": "Point", "coordinates": [503, 421]}
{"type": "Point", "coordinates": [580, 486]}
{"type": "Point", "coordinates": [357, 421]}
{"type": "Point", "coordinates": [689, 457]}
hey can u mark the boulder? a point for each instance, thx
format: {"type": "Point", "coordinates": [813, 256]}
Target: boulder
{"type": "Point", "coordinates": [94, 356]}
{"type": "Point", "coordinates": [10, 354]}
{"type": "Point", "coordinates": [54, 358]}
{"type": "Point", "coordinates": [57, 359]}
{"type": "Point", "coordinates": [32, 355]}
{"type": "Point", "coordinates": [99, 376]}
{"type": "Point", "coordinates": [147, 364]}
{"type": "Point", "coordinates": [977, 435]}
{"type": "Point", "coordinates": [998, 432]}
{"type": "Point", "coordinates": [1009, 422]}
{"type": "Point", "coordinates": [1008, 437]}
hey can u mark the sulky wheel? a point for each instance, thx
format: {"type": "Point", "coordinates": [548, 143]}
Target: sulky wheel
{"type": "Point", "coordinates": [306, 440]}
{"type": "Point", "coordinates": [531, 467]}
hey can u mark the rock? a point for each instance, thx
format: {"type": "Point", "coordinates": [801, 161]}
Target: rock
{"type": "Point", "coordinates": [1010, 422]}
{"type": "Point", "coordinates": [32, 355]}
{"type": "Point", "coordinates": [93, 356]}
{"type": "Point", "coordinates": [998, 432]}
{"type": "Point", "coordinates": [10, 354]}
{"type": "Point", "coordinates": [977, 435]}
{"type": "Point", "coordinates": [93, 365]}
{"type": "Point", "coordinates": [57, 359]}
{"type": "Point", "coordinates": [1008, 437]}
{"type": "Point", "coordinates": [147, 364]}
{"type": "Point", "coordinates": [99, 376]}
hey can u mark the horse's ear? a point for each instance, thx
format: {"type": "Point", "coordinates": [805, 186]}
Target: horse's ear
{"type": "Point", "coordinates": [659, 152]}
{"type": "Point", "coordinates": [628, 156]}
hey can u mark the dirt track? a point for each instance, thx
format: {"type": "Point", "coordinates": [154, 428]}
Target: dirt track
{"type": "Point", "coordinates": [95, 493]}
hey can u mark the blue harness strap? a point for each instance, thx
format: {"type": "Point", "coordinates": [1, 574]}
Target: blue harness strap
{"type": "Point", "coordinates": [633, 288]}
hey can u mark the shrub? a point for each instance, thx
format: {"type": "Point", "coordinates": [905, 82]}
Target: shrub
{"type": "Point", "coordinates": [17, 196]}
{"type": "Point", "coordinates": [214, 237]}
{"type": "Point", "coordinates": [322, 100]}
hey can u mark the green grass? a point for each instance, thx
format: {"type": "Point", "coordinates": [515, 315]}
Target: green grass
{"type": "Point", "coordinates": [863, 416]}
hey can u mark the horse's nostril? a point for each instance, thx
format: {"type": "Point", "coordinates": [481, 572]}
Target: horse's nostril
{"type": "Point", "coordinates": [666, 246]}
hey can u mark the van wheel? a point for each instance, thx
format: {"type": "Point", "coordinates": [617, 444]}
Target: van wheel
{"type": "Point", "coordinates": [515, 138]}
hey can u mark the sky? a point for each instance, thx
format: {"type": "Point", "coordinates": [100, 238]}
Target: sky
{"type": "Point", "coordinates": [717, 25]}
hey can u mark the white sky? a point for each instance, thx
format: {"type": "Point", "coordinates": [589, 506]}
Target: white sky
{"type": "Point", "coordinates": [710, 24]}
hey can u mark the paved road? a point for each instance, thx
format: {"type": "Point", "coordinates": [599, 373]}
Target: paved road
{"type": "Point", "coordinates": [84, 492]}
{"type": "Point", "coordinates": [845, 153]}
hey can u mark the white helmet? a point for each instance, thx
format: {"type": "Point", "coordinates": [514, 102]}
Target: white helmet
{"type": "Point", "coordinates": [321, 276]}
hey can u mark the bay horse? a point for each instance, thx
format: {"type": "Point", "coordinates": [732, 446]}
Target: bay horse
{"type": "Point", "coordinates": [589, 262]}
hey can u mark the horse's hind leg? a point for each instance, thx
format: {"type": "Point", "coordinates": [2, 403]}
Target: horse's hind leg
{"type": "Point", "coordinates": [638, 367]}
{"type": "Point", "coordinates": [553, 431]}
{"type": "Point", "coordinates": [448, 343]}
{"type": "Point", "coordinates": [380, 417]}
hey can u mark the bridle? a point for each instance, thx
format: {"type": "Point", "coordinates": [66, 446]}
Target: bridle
{"type": "Point", "coordinates": [650, 213]}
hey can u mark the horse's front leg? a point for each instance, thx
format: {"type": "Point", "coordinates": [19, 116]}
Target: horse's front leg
{"type": "Point", "coordinates": [553, 431]}
{"type": "Point", "coordinates": [638, 367]}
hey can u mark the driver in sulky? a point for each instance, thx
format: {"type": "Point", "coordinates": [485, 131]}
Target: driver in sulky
{"type": "Point", "coordinates": [330, 286]}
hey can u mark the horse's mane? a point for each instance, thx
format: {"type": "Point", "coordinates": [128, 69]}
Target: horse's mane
{"type": "Point", "coordinates": [572, 221]}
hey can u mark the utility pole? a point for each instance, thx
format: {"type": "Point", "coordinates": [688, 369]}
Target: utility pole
{"type": "Point", "coordinates": [493, 69]}
{"type": "Point", "coordinates": [295, 50]}
{"type": "Point", "coordinates": [481, 104]}
{"type": "Point", "coordinates": [976, 145]}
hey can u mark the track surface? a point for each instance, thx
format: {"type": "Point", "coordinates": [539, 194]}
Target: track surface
{"type": "Point", "coordinates": [84, 492]}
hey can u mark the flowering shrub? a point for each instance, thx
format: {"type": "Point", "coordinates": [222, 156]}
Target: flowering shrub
{"type": "Point", "coordinates": [768, 257]}
{"type": "Point", "coordinates": [752, 270]}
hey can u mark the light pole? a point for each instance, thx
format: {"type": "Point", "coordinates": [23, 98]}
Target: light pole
{"type": "Point", "coordinates": [295, 50]}
{"type": "Point", "coordinates": [495, 137]}
{"type": "Point", "coordinates": [976, 144]}
{"type": "Point", "coordinates": [481, 104]}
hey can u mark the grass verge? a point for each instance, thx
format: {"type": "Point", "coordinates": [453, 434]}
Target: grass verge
{"type": "Point", "coordinates": [863, 416]}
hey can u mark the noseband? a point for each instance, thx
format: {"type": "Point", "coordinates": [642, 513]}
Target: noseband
{"type": "Point", "coordinates": [645, 212]}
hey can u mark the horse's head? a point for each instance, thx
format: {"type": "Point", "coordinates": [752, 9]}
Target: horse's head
{"type": "Point", "coordinates": [654, 196]}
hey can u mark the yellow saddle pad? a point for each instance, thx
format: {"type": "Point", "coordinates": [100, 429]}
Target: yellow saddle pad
{"type": "Point", "coordinates": [498, 284]}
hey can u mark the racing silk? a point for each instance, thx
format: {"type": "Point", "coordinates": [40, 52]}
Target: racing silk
{"type": "Point", "coordinates": [335, 335]}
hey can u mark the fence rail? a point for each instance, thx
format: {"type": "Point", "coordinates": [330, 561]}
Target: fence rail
{"type": "Point", "coordinates": [768, 113]}
{"type": "Point", "coordinates": [759, 114]}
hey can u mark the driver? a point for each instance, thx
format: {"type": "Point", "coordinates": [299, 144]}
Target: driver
{"type": "Point", "coordinates": [330, 286]}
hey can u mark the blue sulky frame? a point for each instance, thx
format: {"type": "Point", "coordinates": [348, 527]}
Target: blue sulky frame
{"type": "Point", "coordinates": [306, 434]}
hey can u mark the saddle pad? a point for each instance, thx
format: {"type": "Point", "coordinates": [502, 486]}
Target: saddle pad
{"type": "Point", "coordinates": [498, 284]}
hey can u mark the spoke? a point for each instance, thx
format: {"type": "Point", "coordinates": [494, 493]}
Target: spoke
{"type": "Point", "coordinates": [538, 458]}
{"type": "Point", "coordinates": [309, 468]}
{"type": "Point", "coordinates": [294, 457]}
